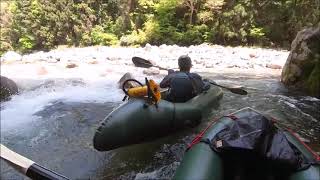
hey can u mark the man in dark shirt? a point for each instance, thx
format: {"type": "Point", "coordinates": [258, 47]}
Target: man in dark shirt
{"type": "Point", "coordinates": [182, 84]}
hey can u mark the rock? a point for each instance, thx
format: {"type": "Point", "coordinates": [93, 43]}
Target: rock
{"type": "Point", "coordinates": [7, 88]}
{"type": "Point", "coordinates": [147, 47]}
{"type": "Point", "coordinates": [11, 56]}
{"type": "Point", "coordinates": [163, 46]}
{"type": "Point", "coordinates": [198, 61]}
{"type": "Point", "coordinates": [92, 61]}
{"type": "Point", "coordinates": [273, 66]}
{"type": "Point", "coordinates": [151, 71]}
{"type": "Point", "coordinates": [71, 65]}
{"type": "Point", "coordinates": [30, 58]}
{"type": "Point", "coordinates": [113, 58]}
{"type": "Point", "coordinates": [42, 71]}
{"type": "Point", "coordinates": [251, 55]}
{"type": "Point", "coordinates": [302, 68]}
{"type": "Point", "coordinates": [231, 66]}
{"type": "Point", "coordinates": [125, 77]}
{"type": "Point", "coordinates": [52, 60]}
{"type": "Point", "coordinates": [209, 65]}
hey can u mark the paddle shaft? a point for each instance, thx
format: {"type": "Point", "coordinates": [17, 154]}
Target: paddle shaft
{"type": "Point", "coordinates": [161, 68]}
{"type": "Point", "coordinates": [27, 166]}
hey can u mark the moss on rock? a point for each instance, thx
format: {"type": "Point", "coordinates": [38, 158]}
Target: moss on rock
{"type": "Point", "coordinates": [302, 69]}
{"type": "Point", "coordinates": [313, 83]}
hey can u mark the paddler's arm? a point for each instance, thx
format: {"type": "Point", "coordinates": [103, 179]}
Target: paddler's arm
{"type": "Point", "coordinates": [165, 83]}
{"type": "Point", "coordinates": [206, 84]}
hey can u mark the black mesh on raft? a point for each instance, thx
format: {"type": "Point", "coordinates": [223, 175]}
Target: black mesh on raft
{"type": "Point", "coordinates": [256, 136]}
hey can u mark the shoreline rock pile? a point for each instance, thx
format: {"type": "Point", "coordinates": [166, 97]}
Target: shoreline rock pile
{"type": "Point", "coordinates": [204, 56]}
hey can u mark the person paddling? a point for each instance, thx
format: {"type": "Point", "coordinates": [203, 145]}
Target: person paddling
{"type": "Point", "coordinates": [182, 84]}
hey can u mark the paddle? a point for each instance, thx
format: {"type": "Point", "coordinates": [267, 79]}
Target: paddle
{"type": "Point", "coordinates": [140, 62]}
{"type": "Point", "coordinates": [235, 90]}
{"type": "Point", "coordinates": [27, 166]}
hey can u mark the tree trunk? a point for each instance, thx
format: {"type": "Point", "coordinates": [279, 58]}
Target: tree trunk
{"type": "Point", "coordinates": [191, 15]}
{"type": "Point", "coordinates": [126, 16]}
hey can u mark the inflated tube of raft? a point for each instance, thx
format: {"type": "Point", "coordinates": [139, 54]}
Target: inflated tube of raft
{"type": "Point", "coordinates": [202, 162]}
{"type": "Point", "coordinates": [135, 122]}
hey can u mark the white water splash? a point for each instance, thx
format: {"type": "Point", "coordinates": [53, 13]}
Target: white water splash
{"type": "Point", "coordinates": [291, 104]}
{"type": "Point", "coordinates": [21, 108]}
{"type": "Point", "coordinates": [37, 92]}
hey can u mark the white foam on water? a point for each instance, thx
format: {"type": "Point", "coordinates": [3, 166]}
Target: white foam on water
{"type": "Point", "coordinates": [309, 98]}
{"type": "Point", "coordinates": [39, 92]}
{"type": "Point", "coordinates": [147, 175]}
{"type": "Point", "coordinates": [21, 109]}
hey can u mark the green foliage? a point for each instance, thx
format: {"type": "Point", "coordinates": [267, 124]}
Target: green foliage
{"type": "Point", "coordinates": [44, 24]}
{"type": "Point", "coordinates": [5, 46]}
{"type": "Point", "coordinates": [99, 37]}
{"type": "Point", "coordinates": [133, 39]}
{"type": "Point", "coordinates": [5, 22]}
{"type": "Point", "coordinates": [152, 30]}
{"type": "Point", "coordinates": [195, 35]}
{"type": "Point", "coordinates": [256, 32]}
{"type": "Point", "coordinates": [165, 10]}
{"type": "Point", "coordinates": [313, 83]}
{"type": "Point", "coordinates": [85, 39]}
{"type": "Point", "coordinates": [26, 43]}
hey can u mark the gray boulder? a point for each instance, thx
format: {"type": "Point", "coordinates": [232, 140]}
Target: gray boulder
{"type": "Point", "coordinates": [302, 68]}
{"type": "Point", "coordinates": [8, 87]}
{"type": "Point", "coordinates": [151, 71]}
{"type": "Point", "coordinates": [125, 77]}
{"type": "Point", "coordinates": [11, 56]}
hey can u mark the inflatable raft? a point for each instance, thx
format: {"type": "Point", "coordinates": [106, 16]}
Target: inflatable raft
{"type": "Point", "coordinates": [248, 145]}
{"type": "Point", "coordinates": [135, 121]}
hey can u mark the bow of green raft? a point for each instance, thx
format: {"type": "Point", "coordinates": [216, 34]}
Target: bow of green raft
{"type": "Point", "coordinates": [137, 121]}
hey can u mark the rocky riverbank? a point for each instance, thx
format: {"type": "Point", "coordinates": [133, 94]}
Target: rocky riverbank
{"type": "Point", "coordinates": [101, 60]}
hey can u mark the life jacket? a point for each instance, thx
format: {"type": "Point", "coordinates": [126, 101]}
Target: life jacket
{"type": "Point", "coordinates": [182, 88]}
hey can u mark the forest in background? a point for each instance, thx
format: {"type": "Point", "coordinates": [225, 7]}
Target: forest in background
{"type": "Point", "coordinates": [28, 25]}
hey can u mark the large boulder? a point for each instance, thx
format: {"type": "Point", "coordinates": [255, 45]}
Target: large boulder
{"type": "Point", "coordinates": [302, 69]}
{"type": "Point", "coordinates": [151, 71]}
{"type": "Point", "coordinates": [8, 87]}
{"type": "Point", "coordinates": [125, 77]}
{"type": "Point", "coordinates": [10, 57]}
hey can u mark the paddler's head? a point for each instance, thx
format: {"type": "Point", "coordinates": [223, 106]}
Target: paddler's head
{"type": "Point", "coordinates": [184, 63]}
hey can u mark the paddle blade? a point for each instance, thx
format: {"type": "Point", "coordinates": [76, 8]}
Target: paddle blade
{"type": "Point", "coordinates": [238, 91]}
{"type": "Point", "coordinates": [140, 62]}
{"type": "Point", "coordinates": [235, 90]}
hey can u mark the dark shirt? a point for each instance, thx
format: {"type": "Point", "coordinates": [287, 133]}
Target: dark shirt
{"type": "Point", "coordinates": [183, 86]}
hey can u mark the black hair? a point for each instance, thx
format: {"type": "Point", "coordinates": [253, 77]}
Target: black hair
{"type": "Point", "coordinates": [184, 63]}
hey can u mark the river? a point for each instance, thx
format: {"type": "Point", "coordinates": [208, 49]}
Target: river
{"type": "Point", "coordinates": [53, 120]}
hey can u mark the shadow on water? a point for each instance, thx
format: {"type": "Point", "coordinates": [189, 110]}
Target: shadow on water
{"type": "Point", "coordinates": [62, 141]}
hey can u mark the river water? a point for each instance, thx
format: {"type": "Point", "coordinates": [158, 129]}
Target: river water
{"type": "Point", "coordinates": [53, 120]}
